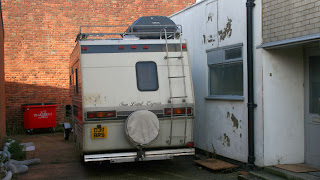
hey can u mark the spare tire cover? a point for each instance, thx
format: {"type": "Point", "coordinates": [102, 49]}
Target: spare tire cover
{"type": "Point", "coordinates": [142, 127]}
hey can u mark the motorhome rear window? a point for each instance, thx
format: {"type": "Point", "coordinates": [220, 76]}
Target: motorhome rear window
{"type": "Point", "coordinates": [147, 76]}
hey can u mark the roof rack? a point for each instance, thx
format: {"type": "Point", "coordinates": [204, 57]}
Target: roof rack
{"type": "Point", "coordinates": [140, 31]}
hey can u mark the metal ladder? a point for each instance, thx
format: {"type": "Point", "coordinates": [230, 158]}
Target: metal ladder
{"type": "Point", "coordinates": [184, 96]}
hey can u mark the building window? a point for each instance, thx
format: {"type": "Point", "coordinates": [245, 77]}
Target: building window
{"type": "Point", "coordinates": [147, 76]}
{"type": "Point", "coordinates": [226, 72]}
{"type": "Point", "coordinates": [77, 88]}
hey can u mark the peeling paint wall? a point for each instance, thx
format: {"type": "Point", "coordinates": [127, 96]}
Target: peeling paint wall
{"type": "Point", "coordinates": [221, 124]}
{"type": "Point", "coordinates": [278, 87]}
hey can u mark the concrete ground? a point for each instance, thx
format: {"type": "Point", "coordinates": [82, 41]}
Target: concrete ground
{"type": "Point", "coordinates": [60, 160]}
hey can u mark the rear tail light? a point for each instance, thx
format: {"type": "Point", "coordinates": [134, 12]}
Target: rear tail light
{"type": "Point", "coordinates": [84, 48]}
{"type": "Point", "coordinates": [101, 114]}
{"type": "Point", "coordinates": [190, 144]}
{"type": "Point", "coordinates": [184, 46]}
{"type": "Point", "coordinates": [178, 111]}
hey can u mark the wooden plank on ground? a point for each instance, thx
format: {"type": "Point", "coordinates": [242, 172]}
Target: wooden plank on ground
{"type": "Point", "coordinates": [215, 164]}
{"type": "Point", "coordinates": [298, 168]}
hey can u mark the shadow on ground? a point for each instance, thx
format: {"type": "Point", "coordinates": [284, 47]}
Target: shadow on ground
{"type": "Point", "coordinates": [60, 160]}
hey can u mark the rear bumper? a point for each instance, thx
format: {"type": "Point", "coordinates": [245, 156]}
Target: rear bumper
{"type": "Point", "coordinates": [133, 156]}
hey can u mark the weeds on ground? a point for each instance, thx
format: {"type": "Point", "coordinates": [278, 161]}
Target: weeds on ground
{"type": "Point", "coordinates": [15, 149]}
{"type": "Point", "coordinates": [6, 139]}
{"type": "Point", "coordinates": [59, 128]}
{"type": "Point", "coordinates": [16, 152]}
{"type": "Point", "coordinates": [15, 130]}
{"type": "Point", "coordinates": [3, 159]}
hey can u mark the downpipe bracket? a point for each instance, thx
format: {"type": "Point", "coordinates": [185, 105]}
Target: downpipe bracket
{"type": "Point", "coordinates": [250, 3]}
{"type": "Point", "coordinates": [252, 105]}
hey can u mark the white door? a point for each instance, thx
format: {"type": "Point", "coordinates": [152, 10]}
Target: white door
{"type": "Point", "coordinates": [312, 107]}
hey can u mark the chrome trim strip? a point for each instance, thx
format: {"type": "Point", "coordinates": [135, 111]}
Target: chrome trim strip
{"type": "Point", "coordinates": [132, 156]}
{"type": "Point", "coordinates": [170, 151]}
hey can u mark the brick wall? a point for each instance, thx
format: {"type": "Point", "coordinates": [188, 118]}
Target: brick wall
{"type": "Point", "coordinates": [285, 19]}
{"type": "Point", "coordinates": [40, 37]}
{"type": "Point", "coordinates": [2, 83]}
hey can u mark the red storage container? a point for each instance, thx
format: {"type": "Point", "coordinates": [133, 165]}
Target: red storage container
{"type": "Point", "coordinates": [39, 115]}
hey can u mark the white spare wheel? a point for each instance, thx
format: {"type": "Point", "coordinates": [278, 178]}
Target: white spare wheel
{"type": "Point", "coordinates": [142, 127]}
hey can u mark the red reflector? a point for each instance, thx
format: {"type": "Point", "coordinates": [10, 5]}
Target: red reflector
{"type": "Point", "coordinates": [145, 47]}
{"type": "Point", "coordinates": [184, 46]}
{"type": "Point", "coordinates": [190, 144]}
{"type": "Point", "coordinates": [91, 115]}
{"type": "Point", "coordinates": [133, 47]}
{"type": "Point", "coordinates": [121, 47]}
{"type": "Point", "coordinates": [167, 111]}
{"type": "Point", "coordinates": [84, 48]}
{"type": "Point", "coordinates": [101, 114]}
{"type": "Point", "coordinates": [177, 111]}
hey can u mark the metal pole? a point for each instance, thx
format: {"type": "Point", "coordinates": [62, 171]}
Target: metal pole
{"type": "Point", "coordinates": [251, 158]}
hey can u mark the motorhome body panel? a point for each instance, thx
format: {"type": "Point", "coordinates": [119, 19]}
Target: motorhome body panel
{"type": "Point", "coordinates": [76, 94]}
{"type": "Point", "coordinates": [110, 83]}
{"type": "Point", "coordinates": [115, 84]}
{"type": "Point", "coordinates": [117, 139]}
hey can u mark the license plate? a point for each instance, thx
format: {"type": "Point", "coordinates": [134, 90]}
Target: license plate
{"type": "Point", "coordinates": [98, 132]}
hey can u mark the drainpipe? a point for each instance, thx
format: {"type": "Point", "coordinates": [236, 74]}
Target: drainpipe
{"type": "Point", "coordinates": [250, 4]}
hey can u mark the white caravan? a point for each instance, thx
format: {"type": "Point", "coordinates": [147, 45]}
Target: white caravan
{"type": "Point", "coordinates": [132, 97]}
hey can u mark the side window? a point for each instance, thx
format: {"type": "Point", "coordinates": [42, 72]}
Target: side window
{"type": "Point", "coordinates": [75, 110]}
{"type": "Point", "coordinates": [226, 71]}
{"type": "Point", "coordinates": [147, 76]}
{"type": "Point", "coordinates": [77, 88]}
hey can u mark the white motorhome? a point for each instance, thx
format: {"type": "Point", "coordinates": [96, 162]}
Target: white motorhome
{"type": "Point", "coordinates": [132, 96]}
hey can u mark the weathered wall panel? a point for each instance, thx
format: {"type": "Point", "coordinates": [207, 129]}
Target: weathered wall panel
{"type": "Point", "coordinates": [220, 125]}
{"type": "Point", "coordinates": [278, 87]}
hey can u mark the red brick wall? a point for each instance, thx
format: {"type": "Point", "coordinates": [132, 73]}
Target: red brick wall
{"type": "Point", "coordinates": [2, 83]}
{"type": "Point", "coordinates": [40, 37]}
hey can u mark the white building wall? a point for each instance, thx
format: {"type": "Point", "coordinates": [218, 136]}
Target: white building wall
{"type": "Point", "coordinates": [284, 106]}
{"type": "Point", "coordinates": [258, 84]}
{"type": "Point", "coordinates": [214, 126]}
{"type": "Point", "coordinates": [279, 118]}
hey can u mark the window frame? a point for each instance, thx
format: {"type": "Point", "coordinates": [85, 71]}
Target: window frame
{"type": "Point", "coordinates": [157, 78]}
{"type": "Point", "coordinates": [221, 60]}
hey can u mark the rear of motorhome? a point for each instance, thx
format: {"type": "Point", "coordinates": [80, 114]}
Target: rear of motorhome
{"type": "Point", "coordinates": [132, 96]}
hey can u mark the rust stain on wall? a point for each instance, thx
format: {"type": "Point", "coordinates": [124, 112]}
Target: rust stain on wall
{"type": "Point", "coordinates": [210, 17]}
{"type": "Point", "coordinates": [227, 31]}
{"type": "Point", "coordinates": [211, 39]}
{"type": "Point", "coordinates": [235, 121]}
{"type": "Point", "coordinates": [226, 140]}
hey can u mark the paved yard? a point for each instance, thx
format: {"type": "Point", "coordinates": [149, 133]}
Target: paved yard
{"type": "Point", "coordinates": [60, 160]}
